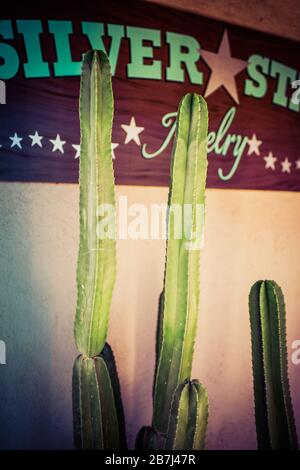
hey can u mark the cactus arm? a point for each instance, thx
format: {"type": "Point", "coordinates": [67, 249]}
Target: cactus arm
{"type": "Point", "coordinates": [148, 439]}
{"type": "Point", "coordinates": [261, 412]}
{"type": "Point", "coordinates": [202, 416]}
{"type": "Point", "coordinates": [96, 267]}
{"type": "Point", "coordinates": [110, 362]}
{"type": "Point", "coordinates": [188, 417]}
{"type": "Point", "coordinates": [181, 287]}
{"type": "Point", "coordinates": [76, 402]}
{"type": "Point", "coordinates": [273, 406]}
{"type": "Point", "coordinates": [95, 408]}
{"type": "Point", "coordinates": [178, 419]}
{"type": "Point", "coordinates": [110, 425]}
{"type": "Point", "coordinates": [86, 406]}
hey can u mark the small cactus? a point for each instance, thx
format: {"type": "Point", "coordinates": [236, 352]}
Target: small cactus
{"type": "Point", "coordinates": [188, 418]}
{"type": "Point", "coordinates": [98, 418]}
{"type": "Point", "coordinates": [275, 425]}
{"type": "Point", "coordinates": [148, 439]}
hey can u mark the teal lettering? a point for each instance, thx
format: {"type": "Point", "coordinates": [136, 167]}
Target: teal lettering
{"type": "Point", "coordinates": [219, 148]}
{"type": "Point", "coordinates": [138, 51]}
{"type": "Point", "coordinates": [169, 120]}
{"type": "Point", "coordinates": [8, 54]}
{"type": "Point", "coordinates": [211, 137]}
{"type": "Point", "coordinates": [258, 67]}
{"type": "Point", "coordinates": [286, 75]}
{"type": "Point", "coordinates": [64, 65]}
{"type": "Point", "coordinates": [218, 142]}
{"type": "Point", "coordinates": [35, 66]}
{"type": "Point", "coordinates": [95, 32]}
{"type": "Point", "coordinates": [178, 56]}
{"type": "Point", "coordinates": [238, 150]}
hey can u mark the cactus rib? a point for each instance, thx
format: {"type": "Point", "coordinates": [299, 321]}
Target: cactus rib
{"type": "Point", "coordinates": [188, 418]}
{"type": "Point", "coordinates": [98, 422]}
{"type": "Point", "coordinates": [97, 406]}
{"type": "Point", "coordinates": [96, 268]}
{"type": "Point", "coordinates": [181, 286]}
{"type": "Point", "coordinates": [275, 423]}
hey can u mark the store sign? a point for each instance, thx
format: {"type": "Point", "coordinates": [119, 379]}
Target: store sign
{"type": "Point", "coordinates": [251, 82]}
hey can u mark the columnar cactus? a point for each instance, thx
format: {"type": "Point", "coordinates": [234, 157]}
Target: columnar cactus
{"type": "Point", "coordinates": [180, 405]}
{"type": "Point", "coordinates": [275, 425]}
{"type": "Point", "coordinates": [98, 415]}
{"type": "Point", "coordinates": [96, 269]}
{"type": "Point", "coordinates": [97, 407]}
{"type": "Point", "coordinates": [188, 417]}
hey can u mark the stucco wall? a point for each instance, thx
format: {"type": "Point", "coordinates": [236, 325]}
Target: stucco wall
{"type": "Point", "coordinates": [249, 235]}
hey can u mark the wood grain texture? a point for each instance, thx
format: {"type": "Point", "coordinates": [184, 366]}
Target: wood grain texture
{"type": "Point", "coordinates": [50, 105]}
{"type": "Point", "coordinates": [268, 16]}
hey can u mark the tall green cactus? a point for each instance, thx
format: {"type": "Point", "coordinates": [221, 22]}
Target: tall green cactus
{"type": "Point", "coordinates": [96, 269]}
{"type": "Point", "coordinates": [97, 406]}
{"type": "Point", "coordinates": [274, 416]}
{"type": "Point", "coordinates": [176, 333]}
{"type": "Point", "coordinates": [180, 405]}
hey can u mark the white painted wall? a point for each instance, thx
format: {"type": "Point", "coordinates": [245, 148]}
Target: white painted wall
{"type": "Point", "coordinates": [249, 235]}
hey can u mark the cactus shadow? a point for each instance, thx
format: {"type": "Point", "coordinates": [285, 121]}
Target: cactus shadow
{"type": "Point", "coordinates": [27, 398]}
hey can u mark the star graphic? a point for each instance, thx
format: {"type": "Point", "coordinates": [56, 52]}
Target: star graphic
{"type": "Point", "coordinates": [77, 148]}
{"type": "Point", "coordinates": [16, 140]}
{"type": "Point", "coordinates": [58, 144]}
{"type": "Point", "coordinates": [36, 139]}
{"type": "Point", "coordinates": [223, 68]}
{"type": "Point", "coordinates": [297, 164]}
{"type": "Point", "coordinates": [286, 166]}
{"type": "Point", "coordinates": [254, 145]}
{"type": "Point", "coordinates": [113, 147]}
{"type": "Point", "coordinates": [132, 132]}
{"type": "Point", "coordinates": [270, 161]}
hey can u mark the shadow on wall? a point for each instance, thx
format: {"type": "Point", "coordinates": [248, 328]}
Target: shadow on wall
{"type": "Point", "coordinates": [28, 392]}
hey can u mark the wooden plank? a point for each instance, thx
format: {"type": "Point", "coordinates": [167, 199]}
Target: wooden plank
{"type": "Point", "coordinates": [48, 106]}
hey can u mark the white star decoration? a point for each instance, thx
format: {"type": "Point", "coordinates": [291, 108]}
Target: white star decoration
{"type": "Point", "coordinates": [58, 144]}
{"type": "Point", "coordinates": [224, 68]}
{"type": "Point", "coordinates": [270, 161]}
{"type": "Point", "coordinates": [77, 148]}
{"type": "Point", "coordinates": [132, 131]}
{"type": "Point", "coordinates": [286, 166]}
{"type": "Point", "coordinates": [36, 139]}
{"type": "Point", "coordinates": [254, 145]}
{"type": "Point", "coordinates": [113, 147]}
{"type": "Point", "coordinates": [16, 140]}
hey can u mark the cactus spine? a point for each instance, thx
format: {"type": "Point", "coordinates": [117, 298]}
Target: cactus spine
{"type": "Point", "coordinates": [180, 405]}
{"type": "Point", "coordinates": [97, 407]}
{"type": "Point", "coordinates": [275, 425]}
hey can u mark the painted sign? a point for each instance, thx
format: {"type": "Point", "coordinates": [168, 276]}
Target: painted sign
{"type": "Point", "coordinates": [251, 82]}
